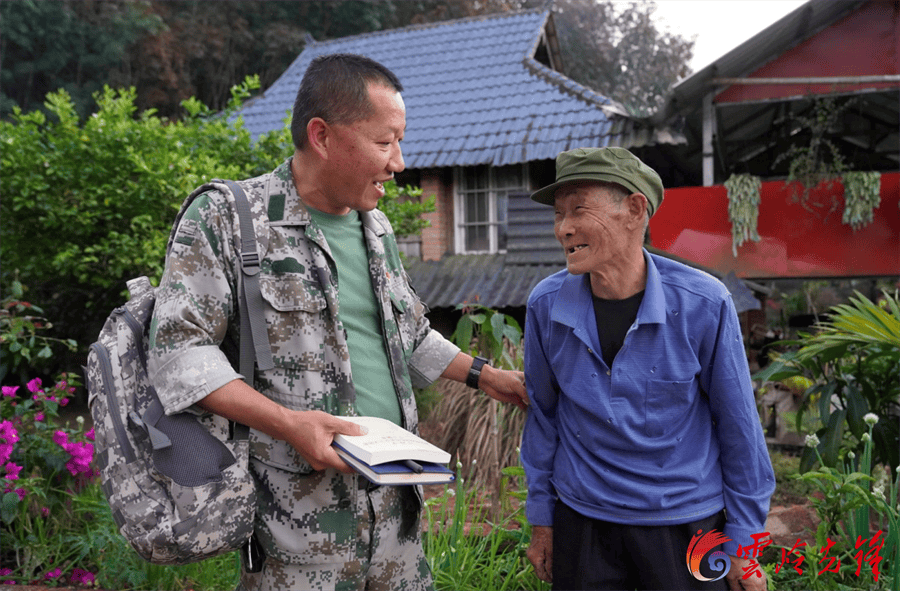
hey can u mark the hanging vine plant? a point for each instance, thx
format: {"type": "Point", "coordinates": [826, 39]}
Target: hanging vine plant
{"type": "Point", "coordinates": [862, 195]}
{"type": "Point", "coordinates": [743, 208]}
{"type": "Point", "coordinates": [818, 162]}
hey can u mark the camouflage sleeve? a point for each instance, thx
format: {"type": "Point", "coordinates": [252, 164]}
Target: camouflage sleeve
{"type": "Point", "coordinates": [195, 304]}
{"type": "Point", "coordinates": [431, 358]}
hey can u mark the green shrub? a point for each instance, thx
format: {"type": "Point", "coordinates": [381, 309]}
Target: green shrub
{"type": "Point", "coordinates": [24, 345]}
{"type": "Point", "coordinates": [852, 361]}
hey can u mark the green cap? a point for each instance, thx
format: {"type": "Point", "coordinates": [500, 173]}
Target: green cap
{"type": "Point", "coordinates": [614, 165]}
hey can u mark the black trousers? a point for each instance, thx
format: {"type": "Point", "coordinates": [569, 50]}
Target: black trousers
{"type": "Point", "coordinates": [593, 554]}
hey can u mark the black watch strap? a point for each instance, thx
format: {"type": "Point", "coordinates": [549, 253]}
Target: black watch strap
{"type": "Point", "coordinates": [475, 372]}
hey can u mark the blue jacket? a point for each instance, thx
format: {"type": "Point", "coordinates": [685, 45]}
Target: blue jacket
{"type": "Point", "coordinates": [670, 434]}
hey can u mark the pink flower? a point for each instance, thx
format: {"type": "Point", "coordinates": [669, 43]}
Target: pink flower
{"type": "Point", "coordinates": [54, 574]}
{"type": "Point", "coordinates": [45, 511]}
{"type": "Point", "coordinates": [39, 417]}
{"type": "Point", "coordinates": [60, 438]}
{"type": "Point", "coordinates": [64, 402]}
{"type": "Point", "coordinates": [11, 392]}
{"type": "Point", "coordinates": [8, 438]}
{"type": "Point", "coordinates": [82, 577]}
{"type": "Point", "coordinates": [12, 471]}
{"type": "Point", "coordinates": [61, 385]}
{"type": "Point", "coordinates": [34, 385]}
{"type": "Point", "coordinates": [82, 454]}
{"type": "Point", "coordinates": [90, 435]}
{"type": "Point", "coordinates": [21, 492]}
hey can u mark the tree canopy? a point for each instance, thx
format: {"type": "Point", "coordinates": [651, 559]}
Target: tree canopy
{"type": "Point", "coordinates": [618, 50]}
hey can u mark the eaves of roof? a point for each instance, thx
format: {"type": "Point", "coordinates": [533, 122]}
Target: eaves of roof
{"type": "Point", "coordinates": [485, 279]}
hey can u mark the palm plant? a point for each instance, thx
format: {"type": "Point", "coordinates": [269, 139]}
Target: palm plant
{"type": "Point", "coordinates": [853, 361]}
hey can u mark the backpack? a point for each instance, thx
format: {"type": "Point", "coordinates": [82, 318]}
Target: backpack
{"type": "Point", "coordinates": [179, 486]}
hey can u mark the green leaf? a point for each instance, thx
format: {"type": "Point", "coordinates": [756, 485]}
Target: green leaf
{"type": "Point", "coordinates": [830, 439]}
{"type": "Point", "coordinates": [857, 407]}
{"type": "Point", "coordinates": [462, 336]}
{"type": "Point", "coordinates": [498, 325]}
{"type": "Point", "coordinates": [9, 504]}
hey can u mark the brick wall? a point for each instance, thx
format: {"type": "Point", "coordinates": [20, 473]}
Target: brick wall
{"type": "Point", "coordinates": [437, 239]}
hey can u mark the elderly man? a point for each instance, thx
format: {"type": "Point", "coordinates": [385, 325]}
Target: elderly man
{"type": "Point", "coordinates": [643, 428]}
{"type": "Point", "coordinates": [347, 332]}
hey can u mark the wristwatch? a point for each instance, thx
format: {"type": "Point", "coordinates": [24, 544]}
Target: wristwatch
{"type": "Point", "coordinates": [475, 372]}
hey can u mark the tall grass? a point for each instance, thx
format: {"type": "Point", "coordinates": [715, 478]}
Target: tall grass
{"type": "Point", "coordinates": [466, 550]}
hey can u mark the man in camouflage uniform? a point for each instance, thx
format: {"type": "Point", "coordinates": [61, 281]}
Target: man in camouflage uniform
{"type": "Point", "coordinates": [320, 525]}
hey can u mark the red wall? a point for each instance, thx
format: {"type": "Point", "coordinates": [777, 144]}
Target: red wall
{"type": "Point", "coordinates": [794, 242]}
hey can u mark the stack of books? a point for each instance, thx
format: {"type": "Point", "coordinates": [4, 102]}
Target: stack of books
{"type": "Point", "coordinates": [389, 454]}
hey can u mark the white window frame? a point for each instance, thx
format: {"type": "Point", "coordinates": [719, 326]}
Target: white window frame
{"type": "Point", "coordinates": [495, 194]}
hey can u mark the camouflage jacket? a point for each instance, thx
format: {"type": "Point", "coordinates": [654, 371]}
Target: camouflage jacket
{"type": "Point", "coordinates": [304, 516]}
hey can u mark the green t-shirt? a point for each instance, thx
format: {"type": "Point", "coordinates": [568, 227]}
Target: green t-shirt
{"type": "Point", "coordinates": [375, 394]}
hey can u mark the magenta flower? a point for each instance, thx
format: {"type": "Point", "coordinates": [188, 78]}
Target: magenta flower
{"type": "Point", "coordinates": [90, 435]}
{"type": "Point", "coordinates": [45, 511]}
{"type": "Point", "coordinates": [34, 385]}
{"type": "Point", "coordinates": [39, 417]}
{"type": "Point", "coordinates": [8, 438]}
{"type": "Point", "coordinates": [64, 402]}
{"type": "Point", "coordinates": [82, 454]}
{"type": "Point", "coordinates": [21, 492]}
{"type": "Point", "coordinates": [82, 577]}
{"type": "Point", "coordinates": [60, 438]}
{"type": "Point", "coordinates": [11, 392]}
{"type": "Point", "coordinates": [54, 574]}
{"type": "Point", "coordinates": [12, 471]}
{"type": "Point", "coordinates": [5, 572]}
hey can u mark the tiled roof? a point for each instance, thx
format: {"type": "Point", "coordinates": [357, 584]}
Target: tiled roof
{"type": "Point", "coordinates": [474, 94]}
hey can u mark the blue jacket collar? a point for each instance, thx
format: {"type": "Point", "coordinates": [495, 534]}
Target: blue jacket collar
{"type": "Point", "coordinates": [573, 306]}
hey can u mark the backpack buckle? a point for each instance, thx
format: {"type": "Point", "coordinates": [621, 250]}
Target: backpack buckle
{"type": "Point", "coordinates": [250, 262]}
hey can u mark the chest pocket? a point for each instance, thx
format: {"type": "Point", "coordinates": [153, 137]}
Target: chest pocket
{"type": "Point", "coordinates": [666, 403]}
{"type": "Point", "coordinates": [297, 327]}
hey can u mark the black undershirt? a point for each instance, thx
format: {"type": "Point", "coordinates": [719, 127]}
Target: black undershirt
{"type": "Point", "coordinates": [614, 318]}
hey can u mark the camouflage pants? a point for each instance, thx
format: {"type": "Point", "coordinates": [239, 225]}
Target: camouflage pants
{"type": "Point", "coordinates": [389, 553]}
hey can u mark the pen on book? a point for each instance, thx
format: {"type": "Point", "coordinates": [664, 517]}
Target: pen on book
{"type": "Point", "coordinates": [414, 466]}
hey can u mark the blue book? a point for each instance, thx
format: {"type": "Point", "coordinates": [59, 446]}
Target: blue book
{"type": "Point", "coordinates": [399, 472]}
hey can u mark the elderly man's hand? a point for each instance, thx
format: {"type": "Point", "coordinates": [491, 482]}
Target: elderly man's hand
{"type": "Point", "coordinates": [735, 579]}
{"type": "Point", "coordinates": [504, 385]}
{"type": "Point", "coordinates": [540, 552]}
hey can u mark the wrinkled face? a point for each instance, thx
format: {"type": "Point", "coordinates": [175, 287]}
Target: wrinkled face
{"type": "Point", "coordinates": [590, 226]}
{"type": "Point", "coordinates": [365, 154]}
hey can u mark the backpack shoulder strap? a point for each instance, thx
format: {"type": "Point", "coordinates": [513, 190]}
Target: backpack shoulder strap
{"type": "Point", "coordinates": [254, 339]}
{"type": "Point", "coordinates": [253, 323]}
